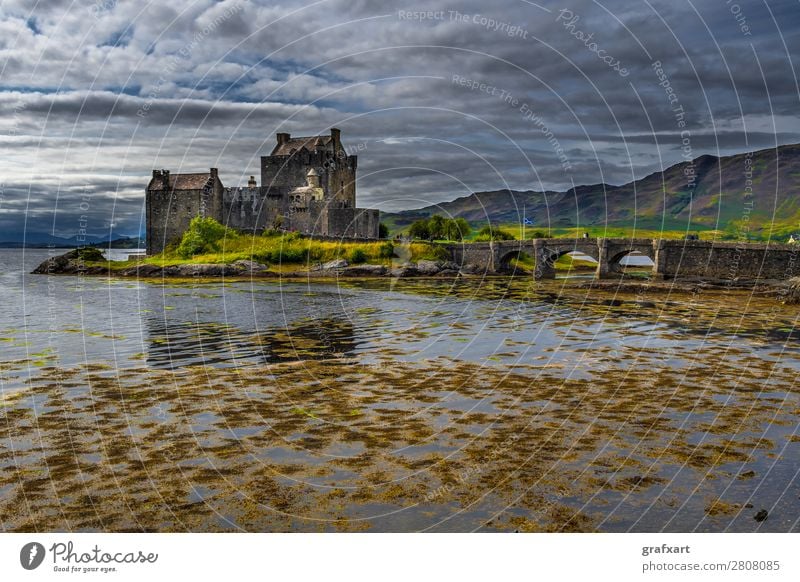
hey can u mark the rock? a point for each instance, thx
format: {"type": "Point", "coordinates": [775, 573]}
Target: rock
{"type": "Point", "coordinates": [792, 296]}
{"type": "Point", "coordinates": [335, 264]}
{"type": "Point", "coordinates": [72, 262]}
{"type": "Point", "coordinates": [403, 272]}
{"type": "Point", "coordinates": [427, 267]}
{"type": "Point", "coordinates": [470, 269]}
{"type": "Point", "coordinates": [364, 271]}
{"type": "Point", "coordinates": [761, 515]}
{"type": "Point", "coordinates": [144, 270]}
{"type": "Point", "coordinates": [447, 266]}
{"type": "Point", "coordinates": [51, 265]}
{"type": "Point", "coordinates": [207, 270]}
{"type": "Point", "coordinates": [171, 271]}
{"type": "Point", "coordinates": [249, 266]}
{"type": "Point", "coordinates": [448, 273]}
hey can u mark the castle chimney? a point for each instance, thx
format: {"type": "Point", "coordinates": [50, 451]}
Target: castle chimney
{"type": "Point", "coordinates": [283, 138]}
{"type": "Point", "coordinates": [214, 172]}
{"type": "Point", "coordinates": [156, 173]}
{"type": "Point", "coordinates": [251, 183]}
{"type": "Point", "coordinates": [336, 135]}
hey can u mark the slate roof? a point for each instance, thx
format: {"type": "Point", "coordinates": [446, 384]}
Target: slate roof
{"type": "Point", "coordinates": [181, 182]}
{"type": "Point", "coordinates": [298, 143]}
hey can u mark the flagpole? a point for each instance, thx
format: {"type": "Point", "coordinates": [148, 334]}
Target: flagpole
{"type": "Point", "coordinates": [523, 220]}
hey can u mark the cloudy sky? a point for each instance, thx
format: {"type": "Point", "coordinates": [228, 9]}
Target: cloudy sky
{"type": "Point", "coordinates": [469, 96]}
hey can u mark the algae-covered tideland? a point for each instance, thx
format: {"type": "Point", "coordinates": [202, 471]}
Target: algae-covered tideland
{"type": "Point", "coordinates": [394, 405]}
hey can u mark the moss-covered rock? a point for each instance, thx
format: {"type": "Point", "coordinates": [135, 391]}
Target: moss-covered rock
{"type": "Point", "coordinates": [73, 262]}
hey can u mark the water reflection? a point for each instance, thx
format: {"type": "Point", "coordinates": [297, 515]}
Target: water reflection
{"type": "Point", "coordinates": [174, 344]}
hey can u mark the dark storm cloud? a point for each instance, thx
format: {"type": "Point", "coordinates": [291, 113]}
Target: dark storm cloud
{"type": "Point", "coordinates": [198, 83]}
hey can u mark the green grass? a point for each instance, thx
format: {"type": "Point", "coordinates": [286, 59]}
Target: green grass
{"type": "Point", "coordinates": [643, 228]}
{"type": "Point", "coordinates": [612, 232]}
{"type": "Point", "coordinates": [286, 249]}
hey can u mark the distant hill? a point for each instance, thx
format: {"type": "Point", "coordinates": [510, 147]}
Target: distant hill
{"type": "Point", "coordinates": [660, 200]}
{"type": "Point", "coordinates": [121, 243]}
{"type": "Point", "coordinates": [44, 240]}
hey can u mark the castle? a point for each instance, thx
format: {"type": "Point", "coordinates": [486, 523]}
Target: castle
{"type": "Point", "coordinates": [308, 185]}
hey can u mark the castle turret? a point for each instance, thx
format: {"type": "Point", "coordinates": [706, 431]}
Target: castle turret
{"type": "Point", "coordinates": [312, 178]}
{"type": "Point", "coordinates": [251, 183]}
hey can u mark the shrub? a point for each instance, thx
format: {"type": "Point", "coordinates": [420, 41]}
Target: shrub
{"type": "Point", "coordinates": [383, 231]}
{"type": "Point", "coordinates": [357, 256]}
{"type": "Point", "coordinates": [282, 254]}
{"type": "Point", "coordinates": [90, 254]}
{"type": "Point", "coordinates": [202, 236]}
{"type": "Point", "coordinates": [386, 250]}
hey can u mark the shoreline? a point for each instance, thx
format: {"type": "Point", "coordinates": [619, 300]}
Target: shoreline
{"type": "Point", "coordinates": [73, 264]}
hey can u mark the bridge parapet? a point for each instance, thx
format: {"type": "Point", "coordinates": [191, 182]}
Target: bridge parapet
{"type": "Point", "coordinates": [671, 258]}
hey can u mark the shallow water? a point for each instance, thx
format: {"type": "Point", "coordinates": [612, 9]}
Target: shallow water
{"type": "Point", "coordinates": [392, 405]}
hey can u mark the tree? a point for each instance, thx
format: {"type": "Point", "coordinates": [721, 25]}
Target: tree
{"type": "Point", "coordinates": [457, 229]}
{"type": "Point", "coordinates": [490, 232]}
{"type": "Point", "coordinates": [436, 227]}
{"type": "Point", "coordinates": [383, 231]}
{"type": "Point", "coordinates": [420, 230]}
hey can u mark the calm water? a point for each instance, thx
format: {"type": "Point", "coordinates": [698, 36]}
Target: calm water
{"type": "Point", "coordinates": [392, 406]}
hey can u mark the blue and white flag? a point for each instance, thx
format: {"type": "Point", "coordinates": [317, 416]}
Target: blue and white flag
{"type": "Point", "coordinates": [527, 221]}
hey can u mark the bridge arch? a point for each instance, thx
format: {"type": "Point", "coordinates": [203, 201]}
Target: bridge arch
{"type": "Point", "coordinates": [615, 261]}
{"type": "Point", "coordinates": [505, 257]}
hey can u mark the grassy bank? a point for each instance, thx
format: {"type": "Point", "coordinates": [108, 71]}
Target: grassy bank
{"type": "Point", "coordinates": [282, 251]}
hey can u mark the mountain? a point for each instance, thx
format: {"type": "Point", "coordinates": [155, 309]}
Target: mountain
{"type": "Point", "coordinates": [44, 240]}
{"type": "Point", "coordinates": [718, 199]}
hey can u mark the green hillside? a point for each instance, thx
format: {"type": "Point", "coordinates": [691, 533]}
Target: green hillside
{"type": "Point", "coordinates": [719, 200]}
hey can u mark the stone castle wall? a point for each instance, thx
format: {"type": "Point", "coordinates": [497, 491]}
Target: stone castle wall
{"type": "Point", "coordinates": [172, 201]}
{"type": "Point", "coordinates": [169, 212]}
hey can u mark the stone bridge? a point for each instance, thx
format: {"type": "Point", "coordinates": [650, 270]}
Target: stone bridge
{"type": "Point", "coordinates": [671, 258]}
